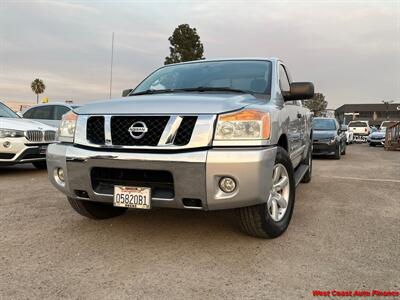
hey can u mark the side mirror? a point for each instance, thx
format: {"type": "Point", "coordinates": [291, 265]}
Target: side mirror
{"type": "Point", "coordinates": [299, 91]}
{"type": "Point", "coordinates": [126, 92]}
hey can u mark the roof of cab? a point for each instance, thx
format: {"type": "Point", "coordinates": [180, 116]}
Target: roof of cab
{"type": "Point", "coordinates": [272, 59]}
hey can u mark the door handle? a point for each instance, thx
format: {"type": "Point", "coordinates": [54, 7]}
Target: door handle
{"type": "Point", "coordinates": [299, 115]}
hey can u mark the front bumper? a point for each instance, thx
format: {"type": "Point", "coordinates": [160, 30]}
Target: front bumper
{"type": "Point", "coordinates": [21, 151]}
{"type": "Point", "coordinates": [376, 140]}
{"type": "Point", "coordinates": [324, 148]}
{"type": "Point", "coordinates": [195, 174]}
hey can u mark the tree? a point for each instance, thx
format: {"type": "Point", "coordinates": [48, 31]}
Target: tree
{"type": "Point", "coordinates": [185, 45]}
{"type": "Point", "coordinates": [317, 104]}
{"type": "Point", "coordinates": [38, 87]}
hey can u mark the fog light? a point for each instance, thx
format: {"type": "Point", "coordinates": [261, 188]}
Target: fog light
{"type": "Point", "coordinates": [7, 144]}
{"type": "Point", "coordinates": [60, 174]}
{"type": "Point", "coordinates": [227, 184]}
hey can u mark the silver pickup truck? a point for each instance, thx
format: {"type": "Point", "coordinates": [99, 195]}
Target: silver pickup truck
{"type": "Point", "coordinates": [206, 135]}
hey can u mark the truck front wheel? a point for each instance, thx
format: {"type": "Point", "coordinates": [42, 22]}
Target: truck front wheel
{"type": "Point", "coordinates": [95, 210]}
{"type": "Point", "coordinates": [271, 219]}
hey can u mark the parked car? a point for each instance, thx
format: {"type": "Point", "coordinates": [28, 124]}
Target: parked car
{"type": "Point", "coordinates": [328, 137]}
{"type": "Point", "coordinates": [360, 129]}
{"type": "Point", "coordinates": [49, 114]}
{"type": "Point", "coordinates": [206, 135]}
{"type": "Point", "coordinates": [349, 134]}
{"type": "Point", "coordinates": [378, 137]}
{"type": "Point", "coordinates": [23, 141]}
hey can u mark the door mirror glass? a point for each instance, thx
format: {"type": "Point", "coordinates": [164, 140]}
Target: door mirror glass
{"type": "Point", "coordinates": [299, 91]}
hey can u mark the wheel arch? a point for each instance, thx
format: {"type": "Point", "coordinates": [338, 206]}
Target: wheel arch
{"type": "Point", "coordinates": [283, 142]}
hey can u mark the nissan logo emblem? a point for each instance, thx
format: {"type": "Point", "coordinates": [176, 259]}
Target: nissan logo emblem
{"type": "Point", "coordinates": [138, 130]}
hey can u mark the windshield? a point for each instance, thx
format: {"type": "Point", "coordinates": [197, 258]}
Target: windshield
{"type": "Point", "coordinates": [6, 112]}
{"type": "Point", "coordinates": [324, 124]}
{"type": "Point", "coordinates": [358, 124]}
{"type": "Point", "coordinates": [250, 76]}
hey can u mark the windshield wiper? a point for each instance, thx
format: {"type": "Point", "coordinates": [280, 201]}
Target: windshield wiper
{"type": "Point", "coordinates": [196, 89]}
{"type": "Point", "coordinates": [149, 92]}
{"type": "Point", "coordinates": [218, 89]}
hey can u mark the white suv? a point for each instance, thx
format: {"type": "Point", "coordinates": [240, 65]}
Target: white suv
{"type": "Point", "coordinates": [23, 141]}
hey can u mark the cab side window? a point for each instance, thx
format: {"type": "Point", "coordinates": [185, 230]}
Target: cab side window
{"type": "Point", "coordinates": [60, 111]}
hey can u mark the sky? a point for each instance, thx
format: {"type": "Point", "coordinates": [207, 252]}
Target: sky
{"type": "Point", "coordinates": [349, 49]}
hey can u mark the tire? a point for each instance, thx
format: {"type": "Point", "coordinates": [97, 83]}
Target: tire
{"type": "Point", "coordinates": [257, 220]}
{"type": "Point", "coordinates": [95, 210]}
{"type": "Point", "coordinates": [337, 152]}
{"type": "Point", "coordinates": [308, 161]}
{"type": "Point", "coordinates": [41, 165]}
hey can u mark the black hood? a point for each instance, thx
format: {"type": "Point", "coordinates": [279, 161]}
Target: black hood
{"type": "Point", "coordinates": [323, 134]}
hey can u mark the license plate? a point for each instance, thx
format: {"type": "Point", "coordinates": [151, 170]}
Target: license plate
{"type": "Point", "coordinates": [132, 197]}
{"type": "Point", "coordinates": [42, 149]}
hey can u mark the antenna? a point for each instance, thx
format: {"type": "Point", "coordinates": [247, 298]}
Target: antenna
{"type": "Point", "coordinates": [112, 58]}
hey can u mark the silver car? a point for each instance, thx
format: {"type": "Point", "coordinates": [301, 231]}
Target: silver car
{"type": "Point", "coordinates": [49, 113]}
{"type": "Point", "coordinates": [23, 141]}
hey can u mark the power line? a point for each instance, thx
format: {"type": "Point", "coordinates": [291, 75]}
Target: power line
{"type": "Point", "coordinates": [112, 58]}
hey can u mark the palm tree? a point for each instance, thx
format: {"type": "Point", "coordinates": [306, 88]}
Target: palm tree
{"type": "Point", "coordinates": [38, 87]}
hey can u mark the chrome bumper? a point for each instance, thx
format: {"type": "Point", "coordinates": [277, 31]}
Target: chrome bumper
{"type": "Point", "coordinates": [195, 174]}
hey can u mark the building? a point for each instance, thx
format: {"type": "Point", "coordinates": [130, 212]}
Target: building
{"type": "Point", "coordinates": [17, 106]}
{"type": "Point", "coordinates": [374, 113]}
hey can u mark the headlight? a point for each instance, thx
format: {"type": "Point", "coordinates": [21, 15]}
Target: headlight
{"type": "Point", "coordinates": [10, 133]}
{"type": "Point", "coordinates": [332, 141]}
{"type": "Point", "coordinates": [246, 124]}
{"type": "Point", "coordinates": [66, 131]}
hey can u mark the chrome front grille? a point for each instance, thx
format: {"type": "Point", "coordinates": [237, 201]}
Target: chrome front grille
{"type": "Point", "coordinates": [40, 136]}
{"type": "Point", "coordinates": [34, 135]}
{"type": "Point", "coordinates": [49, 135]}
{"type": "Point", "coordinates": [167, 132]}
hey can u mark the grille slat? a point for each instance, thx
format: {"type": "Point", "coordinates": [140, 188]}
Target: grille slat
{"type": "Point", "coordinates": [34, 135]}
{"type": "Point", "coordinates": [120, 130]}
{"type": "Point", "coordinates": [95, 130]}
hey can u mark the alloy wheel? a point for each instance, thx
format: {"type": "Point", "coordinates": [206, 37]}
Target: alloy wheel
{"type": "Point", "coordinates": [278, 200]}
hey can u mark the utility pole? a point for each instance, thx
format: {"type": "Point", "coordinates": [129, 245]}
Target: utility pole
{"type": "Point", "coordinates": [112, 58]}
{"type": "Point", "coordinates": [387, 108]}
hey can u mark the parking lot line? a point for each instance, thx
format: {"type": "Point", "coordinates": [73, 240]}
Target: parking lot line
{"type": "Point", "coordinates": [362, 179]}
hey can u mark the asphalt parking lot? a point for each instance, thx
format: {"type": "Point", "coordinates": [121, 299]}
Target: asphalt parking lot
{"type": "Point", "coordinates": [344, 235]}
